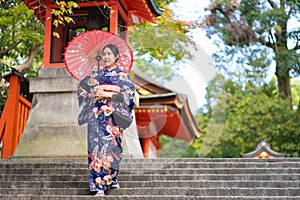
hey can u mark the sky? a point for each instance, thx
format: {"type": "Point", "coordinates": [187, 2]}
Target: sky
{"type": "Point", "coordinates": [187, 10]}
{"type": "Point", "coordinates": [194, 75]}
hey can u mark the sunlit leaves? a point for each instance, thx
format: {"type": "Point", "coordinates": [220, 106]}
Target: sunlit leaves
{"type": "Point", "coordinates": [18, 29]}
{"type": "Point", "coordinates": [55, 34]}
{"type": "Point", "coordinates": [62, 13]}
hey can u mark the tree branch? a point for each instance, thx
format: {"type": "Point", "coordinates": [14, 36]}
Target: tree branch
{"type": "Point", "coordinates": [273, 5]}
{"type": "Point", "coordinates": [22, 67]}
{"type": "Point", "coordinates": [297, 47]}
{"type": "Point", "coordinates": [29, 62]}
{"type": "Point", "coordinates": [263, 41]}
{"type": "Point", "coordinates": [14, 45]}
{"type": "Point", "coordinates": [216, 6]}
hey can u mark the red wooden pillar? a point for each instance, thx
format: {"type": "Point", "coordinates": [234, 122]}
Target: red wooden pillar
{"type": "Point", "coordinates": [147, 142]}
{"type": "Point", "coordinates": [10, 138]}
{"type": "Point", "coordinates": [47, 38]}
{"type": "Point", "coordinates": [114, 19]}
{"type": "Point", "coordinates": [146, 146]}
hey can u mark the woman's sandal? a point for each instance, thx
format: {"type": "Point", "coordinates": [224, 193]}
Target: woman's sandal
{"type": "Point", "coordinates": [100, 193]}
{"type": "Point", "coordinates": [115, 186]}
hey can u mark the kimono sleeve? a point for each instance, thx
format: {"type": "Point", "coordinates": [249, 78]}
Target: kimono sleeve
{"type": "Point", "coordinates": [83, 100]}
{"type": "Point", "coordinates": [123, 104]}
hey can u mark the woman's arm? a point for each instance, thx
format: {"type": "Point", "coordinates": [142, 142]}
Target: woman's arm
{"type": "Point", "coordinates": [85, 98]}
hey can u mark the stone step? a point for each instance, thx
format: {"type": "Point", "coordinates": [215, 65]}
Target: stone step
{"type": "Point", "coordinates": [4, 166]}
{"type": "Point", "coordinates": [248, 170]}
{"type": "Point", "coordinates": [284, 159]}
{"type": "Point", "coordinates": [156, 165]}
{"type": "Point", "coordinates": [211, 184]}
{"type": "Point", "coordinates": [216, 161]}
{"type": "Point", "coordinates": [225, 191]}
{"type": "Point", "coordinates": [156, 179]}
{"type": "Point", "coordinates": [125, 171]}
{"type": "Point", "coordinates": [258, 192]}
{"type": "Point", "coordinates": [153, 177]}
{"type": "Point", "coordinates": [46, 191]}
{"type": "Point", "coordinates": [262, 177]}
{"type": "Point", "coordinates": [36, 171]}
{"type": "Point", "coordinates": [149, 160]}
{"type": "Point", "coordinates": [44, 160]}
{"type": "Point", "coordinates": [143, 197]}
{"type": "Point", "coordinates": [147, 165]}
{"type": "Point", "coordinates": [44, 177]}
{"type": "Point", "coordinates": [43, 184]}
{"type": "Point", "coordinates": [149, 184]}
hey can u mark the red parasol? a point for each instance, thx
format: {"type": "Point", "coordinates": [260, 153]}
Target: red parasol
{"type": "Point", "coordinates": [82, 52]}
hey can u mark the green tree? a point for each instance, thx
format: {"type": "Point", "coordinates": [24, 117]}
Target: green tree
{"type": "Point", "coordinates": [258, 33]}
{"type": "Point", "coordinates": [21, 41]}
{"type": "Point", "coordinates": [295, 87]}
{"type": "Point", "coordinates": [174, 148]}
{"type": "Point", "coordinates": [252, 114]}
{"type": "Point", "coordinates": [21, 36]}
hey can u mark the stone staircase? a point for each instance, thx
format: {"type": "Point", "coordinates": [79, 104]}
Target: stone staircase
{"type": "Point", "coordinates": [154, 179]}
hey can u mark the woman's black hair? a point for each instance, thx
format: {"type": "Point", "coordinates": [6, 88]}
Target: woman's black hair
{"type": "Point", "coordinates": [114, 49]}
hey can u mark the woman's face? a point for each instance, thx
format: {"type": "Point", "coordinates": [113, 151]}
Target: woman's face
{"type": "Point", "coordinates": [108, 57]}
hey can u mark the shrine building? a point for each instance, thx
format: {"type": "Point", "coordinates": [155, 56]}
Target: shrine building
{"type": "Point", "coordinates": [52, 130]}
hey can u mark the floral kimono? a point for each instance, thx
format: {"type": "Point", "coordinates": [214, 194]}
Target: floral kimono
{"type": "Point", "coordinates": [104, 131]}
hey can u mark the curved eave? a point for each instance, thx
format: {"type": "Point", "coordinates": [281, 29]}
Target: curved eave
{"type": "Point", "coordinates": [171, 98]}
{"type": "Point", "coordinates": [143, 10]}
{"type": "Point", "coordinates": [39, 10]}
{"type": "Point", "coordinates": [189, 120]}
{"type": "Point", "coordinates": [155, 10]}
{"type": "Point", "coordinates": [263, 147]}
{"type": "Point", "coordinates": [146, 10]}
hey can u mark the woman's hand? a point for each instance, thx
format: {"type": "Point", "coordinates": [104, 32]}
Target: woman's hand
{"type": "Point", "coordinates": [99, 93]}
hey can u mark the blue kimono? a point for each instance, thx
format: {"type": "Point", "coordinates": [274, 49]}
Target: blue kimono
{"type": "Point", "coordinates": [104, 130]}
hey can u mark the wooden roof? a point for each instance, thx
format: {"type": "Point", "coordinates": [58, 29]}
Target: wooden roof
{"type": "Point", "coordinates": [263, 148]}
{"type": "Point", "coordinates": [170, 110]}
{"type": "Point", "coordinates": [38, 7]}
{"type": "Point", "coordinates": [144, 10]}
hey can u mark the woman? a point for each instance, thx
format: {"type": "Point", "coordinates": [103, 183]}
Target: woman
{"type": "Point", "coordinates": [107, 98]}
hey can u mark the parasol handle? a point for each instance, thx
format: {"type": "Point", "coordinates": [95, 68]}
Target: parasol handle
{"type": "Point", "coordinates": [98, 58]}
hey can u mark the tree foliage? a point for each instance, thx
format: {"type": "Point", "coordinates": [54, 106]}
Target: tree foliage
{"type": "Point", "coordinates": [174, 148]}
{"type": "Point", "coordinates": [256, 35]}
{"type": "Point", "coordinates": [253, 114]}
{"type": "Point", "coordinates": [21, 41]}
{"type": "Point", "coordinates": [255, 29]}
{"type": "Point", "coordinates": [157, 48]}
{"type": "Point", "coordinates": [21, 35]}
{"type": "Point", "coordinates": [62, 15]}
